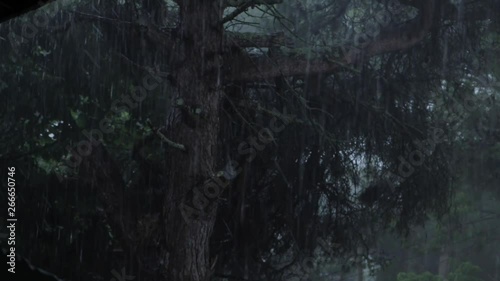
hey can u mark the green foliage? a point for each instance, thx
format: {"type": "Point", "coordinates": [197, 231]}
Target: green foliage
{"type": "Point", "coordinates": [466, 271]}
{"type": "Point", "coordinates": [426, 276]}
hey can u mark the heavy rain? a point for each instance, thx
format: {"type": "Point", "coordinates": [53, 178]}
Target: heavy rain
{"type": "Point", "coordinates": [250, 140]}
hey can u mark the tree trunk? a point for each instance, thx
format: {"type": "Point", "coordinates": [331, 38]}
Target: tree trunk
{"type": "Point", "coordinates": [360, 265]}
{"type": "Point", "coordinates": [497, 268]}
{"type": "Point", "coordinates": [444, 257]}
{"type": "Point", "coordinates": [444, 262]}
{"type": "Point", "coordinates": [198, 80]}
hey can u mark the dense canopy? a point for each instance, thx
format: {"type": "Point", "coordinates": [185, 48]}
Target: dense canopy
{"type": "Point", "coordinates": [245, 139]}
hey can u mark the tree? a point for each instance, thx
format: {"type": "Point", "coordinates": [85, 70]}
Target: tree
{"type": "Point", "coordinates": [362, 103]}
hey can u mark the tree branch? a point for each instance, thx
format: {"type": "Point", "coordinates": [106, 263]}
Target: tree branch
{"type": "Point", "coordinates": [293, 62]}
{"type": "Point", "coordinates": [243, 5]}
{"type": "Point", "coordinates": [165, 139]}
{"type": "Point", "coordinates": [248, 39]}
{"type": "Point", "coordinates": [392, 39]}
{"type": "Point", "coordinates": [398, 39]}
{"type": "Point", "coordinates": [238, 3]}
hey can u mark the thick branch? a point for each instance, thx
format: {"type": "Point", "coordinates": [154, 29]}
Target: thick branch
{"type": "Point", "coordinates": [239, 3]}
{"type": "Point", "coordinates": [247, 40]}
{"type": "Point", "coordinates": [286, 64]}
{"type": "Point", "coordinates": [389, 40]}
{"type": "Point", "coordinates": [243, 5]}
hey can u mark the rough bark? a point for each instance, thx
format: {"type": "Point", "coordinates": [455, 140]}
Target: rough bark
{"type": "Point", "coordinates": [199, 86]}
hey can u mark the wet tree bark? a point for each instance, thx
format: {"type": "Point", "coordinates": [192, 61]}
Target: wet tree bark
{"type": "Point", "coordinates": [444, 256]}
{"type": "Point", "coordinates": [198, 77]}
